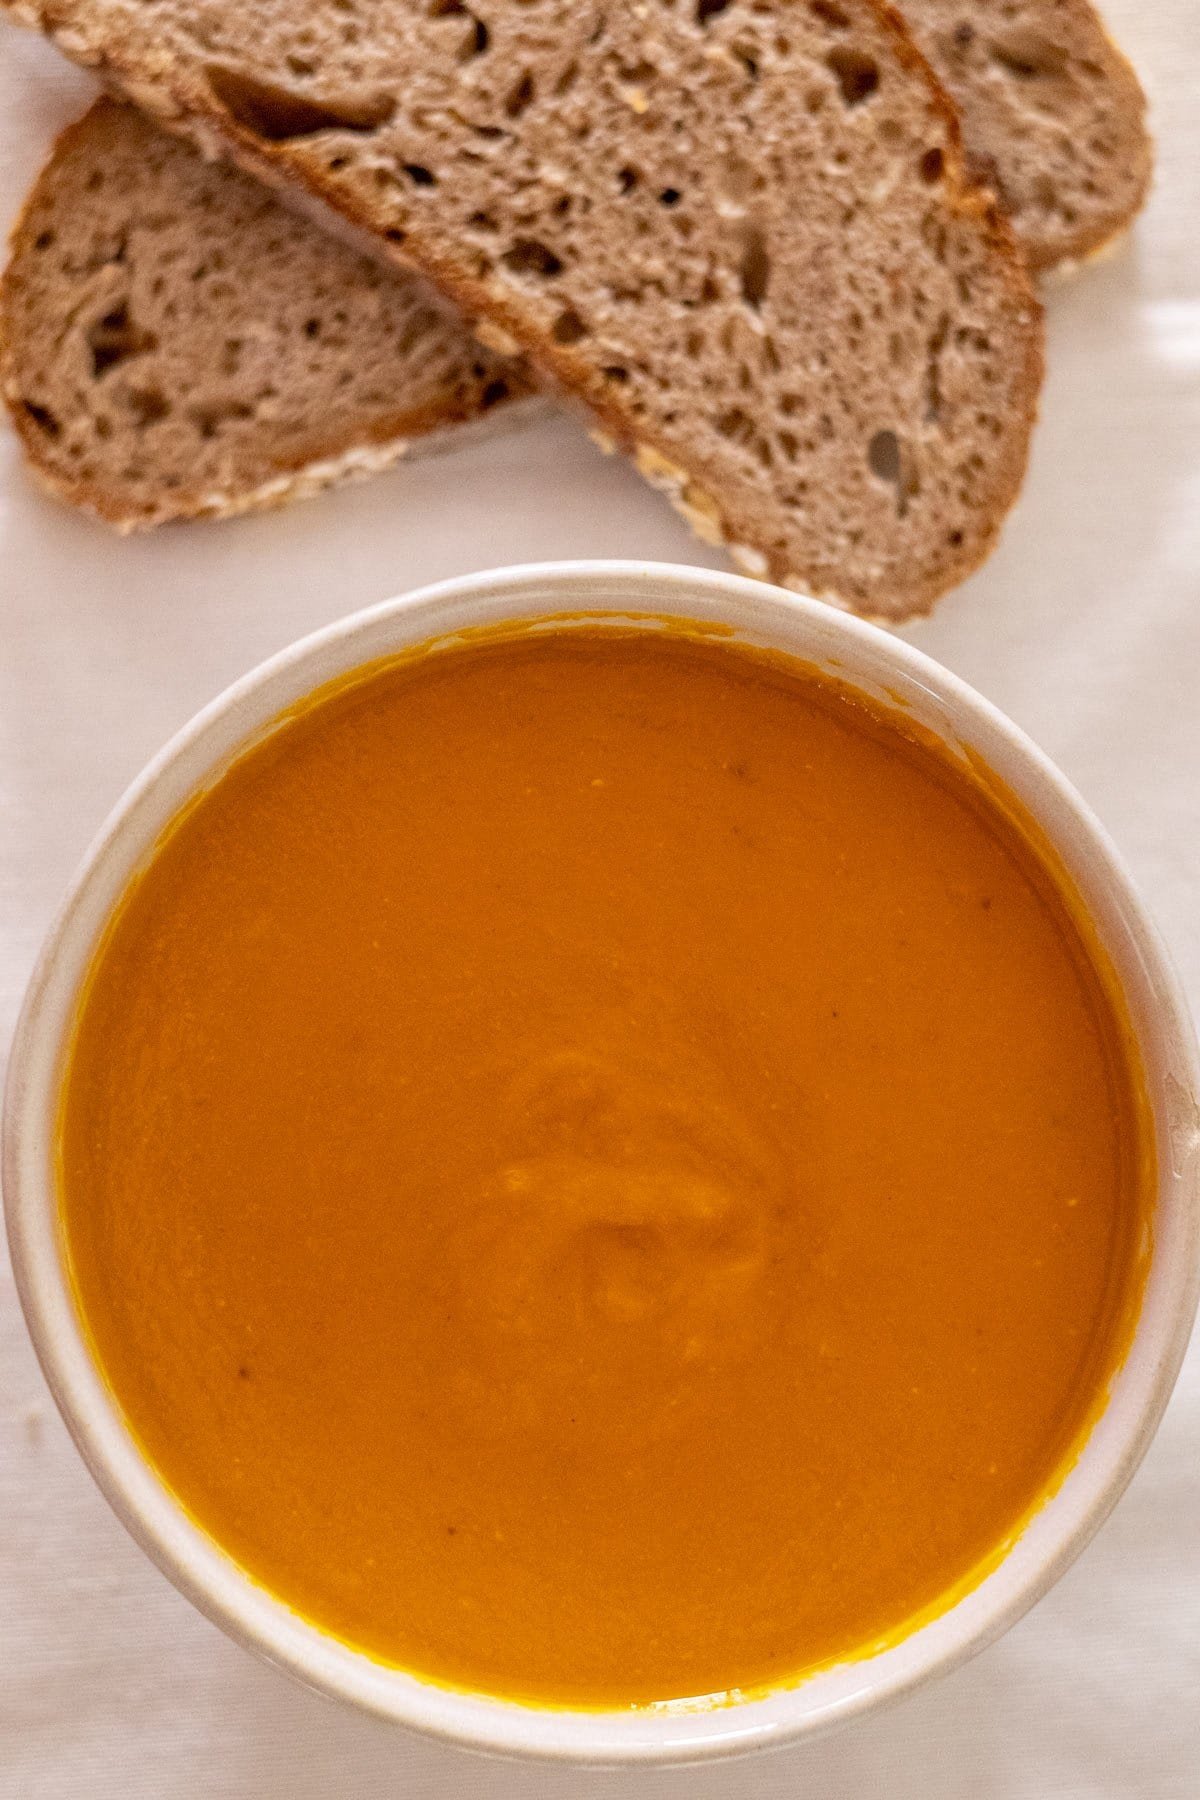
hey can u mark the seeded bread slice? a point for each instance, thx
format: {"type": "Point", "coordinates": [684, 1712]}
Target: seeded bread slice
{"type": "Point", "coordinates": [1053, 116]}
{"type": "Point", "coordinates": [174, 343]}
{"type": "Point", "coordinates": [738, 230]}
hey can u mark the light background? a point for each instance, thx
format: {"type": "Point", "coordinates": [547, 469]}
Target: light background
{"type": "Point", "coordinates": [1085, 627]}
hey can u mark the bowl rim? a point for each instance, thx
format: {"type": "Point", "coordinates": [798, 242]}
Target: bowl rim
{"type": "Point", "coordinates": [866, 656]}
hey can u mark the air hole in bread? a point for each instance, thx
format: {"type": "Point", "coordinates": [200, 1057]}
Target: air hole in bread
{"type": "Point", "coordinates": [529, 256]}
{"type": "Point", "coordinates": [569, 327]}
{"type": "Point", "coordinates": [670, 197]}
{"type": "Point", "coordinates": [708, 9]}
{"type": "Point", "coordinates": [209, 419]}
{"type": "Point", "coordinates": [114, 338]}
{"type": "Point", "coordinates": [754, 269]}
{"type": "Point", "coordinates": [419, 175]}
{"type": "Point", "coordinates": [1028, 56]}
{"type": "Point", "coordinates": [147, 405]}
{"type": "Point", "coordinates": [640, 73]}
{"type": "Point", "coordinates": [831, 14]}
{"type": "Point", "coordinates": [300, 66]}
{"type": "Point", "coordinates": [615, 372]}
{"type": "Point", "coordinates": [886, 463]}
{"type": "Point", "coordinates": [43, 240]}
{"type": "Point", "coordinates": [277, 114]}
{"type": "Point", "coordinates": [494, 393]}
{"type": "Point", "coordinates": [627, 179]}
{"type": "Point", "coordinates": [857, 74]}
{"type": "Point", "coordinates": [933, 165]}
{"type": "Point", "coordinates": [883, 456]}
{"type": "Point", "coordinates": [476, 41]}
{"type": "Point", "coordinates": [520, 96]}
{"type": "Point", "coordinates": [478, 36]}
{"type": "Point", "coordinates": [43, 418]}
{"type": "Point", "coordinates": [736, 425]}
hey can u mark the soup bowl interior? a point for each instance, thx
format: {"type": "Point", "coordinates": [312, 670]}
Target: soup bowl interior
{"type": "Point", "coordinates": [864, 657]}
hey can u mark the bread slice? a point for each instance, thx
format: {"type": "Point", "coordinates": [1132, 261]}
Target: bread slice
{"type": "Point", "coordinates": [1060, 109]}
{"type": "Point", "coordinates": [738, 230]}
{"type": "Point", "coordinates": [174, 343]}
{"type": "Point", "coordinates": [1058, 106]}
{"type": "Point", "coordinates": [1053, 116]}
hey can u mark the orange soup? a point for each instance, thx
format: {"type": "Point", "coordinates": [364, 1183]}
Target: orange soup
{"type": "Point", "coordinates": [600, 1167]}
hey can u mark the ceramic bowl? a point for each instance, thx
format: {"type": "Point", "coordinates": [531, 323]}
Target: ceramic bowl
{"type": "Point", "coordinates": [864, 656]}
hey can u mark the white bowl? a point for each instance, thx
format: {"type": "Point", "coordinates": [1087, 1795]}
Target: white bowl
{"type": "Point", "coordinates": [864, 656]}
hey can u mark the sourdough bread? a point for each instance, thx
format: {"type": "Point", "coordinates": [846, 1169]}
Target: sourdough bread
{"type": "Point", "coordinates": [174, 343]}
{"type": "Point", "coordinates": [1053, 116]}
{"type": "Point", "coordinates": [738, 230]}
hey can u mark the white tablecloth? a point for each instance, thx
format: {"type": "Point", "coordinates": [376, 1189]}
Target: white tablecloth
{"type": "Point", "coordinates": [1085, 627]}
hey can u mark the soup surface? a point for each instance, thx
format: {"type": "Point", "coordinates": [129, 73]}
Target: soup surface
{"type": "Point", "coordinates": [601, 1170]}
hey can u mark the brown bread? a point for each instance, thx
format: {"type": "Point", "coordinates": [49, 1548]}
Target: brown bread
{"type": "Point", "coordinates": [740, 233]}
{"type": "Point", "coordinates": [174, 343]}
{"type": "Point", "coordinates": [1053, 116]}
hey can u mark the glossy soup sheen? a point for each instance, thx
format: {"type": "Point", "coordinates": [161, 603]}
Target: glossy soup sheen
{"type": "Point", "coordinates": [600, 1169]}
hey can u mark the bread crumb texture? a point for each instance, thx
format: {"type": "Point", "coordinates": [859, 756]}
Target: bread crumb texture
{"type": "Point", "coordinates": [1053, 116]}
{"type": "Point", "coordinates": [176, 343]}
{"type": "Point", "coordinates": [739, 231]}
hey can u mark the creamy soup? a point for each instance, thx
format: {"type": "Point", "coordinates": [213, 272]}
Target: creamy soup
{"type": "Point", "coordinates": [600, 1167]}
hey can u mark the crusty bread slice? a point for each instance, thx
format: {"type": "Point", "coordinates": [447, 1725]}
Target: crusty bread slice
{"type": "Point", "coordinates": [1053, 116]}
{"type": "Point", "coordinates": [174, 343]}
{"type": "Point", "coordinates": [1051, 113]}
{"type": "Point", "coordinates": [738, 230]}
